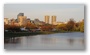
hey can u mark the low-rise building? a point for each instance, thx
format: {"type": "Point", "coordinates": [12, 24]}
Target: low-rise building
{"type": "Point", "coordinates": [6, 21]}
{"type": "Point", "coordinates": [57, 23]}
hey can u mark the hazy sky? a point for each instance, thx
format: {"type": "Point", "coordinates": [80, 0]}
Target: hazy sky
{"type": "Point", "coordinates": [63, 11]}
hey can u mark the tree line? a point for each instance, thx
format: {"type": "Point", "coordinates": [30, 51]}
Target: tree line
{"type": "Point", "coordinates": [71, 25]}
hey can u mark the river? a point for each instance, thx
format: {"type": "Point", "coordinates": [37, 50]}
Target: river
{"type": "Point", "coordinates": [57, 41]}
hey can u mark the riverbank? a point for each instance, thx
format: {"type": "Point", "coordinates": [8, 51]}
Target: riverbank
{"type": "Point", "coordinates": [17, 34]}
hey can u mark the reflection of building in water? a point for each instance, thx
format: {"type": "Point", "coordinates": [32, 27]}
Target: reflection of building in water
{"type": "Point", "coordinates": [82, 41]}
{"type": "Point", "coordinates": [71, 41]}
{"type": "Point", "coordinates": [12, 40]}
{"type": "Point", "coordinates": [49, 40]}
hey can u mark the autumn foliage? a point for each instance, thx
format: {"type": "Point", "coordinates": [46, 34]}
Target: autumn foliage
{"type": "Point", "coordinates": [46, 27]}
{"type": "Point", "coordinates": [71, 25]}
{"type": "Point", "coordinates": [30, 26]}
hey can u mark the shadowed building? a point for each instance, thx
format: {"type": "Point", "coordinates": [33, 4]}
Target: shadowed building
{"type": "Point", "coordinates": [47, 19]}
{"type": "Point", "coordinates": [38, 22]}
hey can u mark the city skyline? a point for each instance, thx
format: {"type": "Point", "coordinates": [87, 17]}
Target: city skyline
{"type": "Point", "coordinates": [33, 11]}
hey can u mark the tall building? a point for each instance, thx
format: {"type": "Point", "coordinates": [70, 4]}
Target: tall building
{"type": "Point", "coordinates": [6, 21]}
{"type": "Point", "coordinates": [20, 14]}
{"type": "Point", "coordinates": [22, 20]}
{"type": "Point", "coordinates": [47, 19]}
{"type": "Point", "coordinates": [53, 19]}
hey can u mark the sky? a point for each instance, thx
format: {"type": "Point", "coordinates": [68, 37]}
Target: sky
{"type": "Point", "coordinates": [63, 12]}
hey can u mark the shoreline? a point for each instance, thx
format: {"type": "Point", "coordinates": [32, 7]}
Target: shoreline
{"type": "Point", "coordinates": [13, 35]}
{"type": "Point", "coordinates": [19, 34]}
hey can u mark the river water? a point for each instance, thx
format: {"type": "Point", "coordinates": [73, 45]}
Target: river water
{"type": "Point", "coordinates": [73, 41]}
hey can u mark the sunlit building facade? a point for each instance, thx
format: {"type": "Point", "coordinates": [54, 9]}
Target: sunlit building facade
{"type": "Point", "coordinates": [58, 23]}
{"type": "Point", "coordinates": [6, 21]}
{"type": "Point", "coordinates": [20, 14]}
{"type": "Point", "coordinates": [47, 19]}
{"type": "Point", "coordinates": [22, 20]}
{"type": "Point", "coordinates": [53, 21]}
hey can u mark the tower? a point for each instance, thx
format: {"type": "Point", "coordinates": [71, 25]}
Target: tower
{"type": "Point", "coordinates": [21, 18]}
{"type": "Point", "coordinates": [47, 19]}
{"type": "Point", "coordinates": [20, 14]}
{"type": "Point", "coordinates": [53, 19]}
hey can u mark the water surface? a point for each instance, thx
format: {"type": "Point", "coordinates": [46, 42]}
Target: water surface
{"type": "Point", "coordinates": [73, 40]}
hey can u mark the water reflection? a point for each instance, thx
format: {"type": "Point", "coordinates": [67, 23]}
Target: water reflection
{"type": "Point", "coordinates": [82, 41]}
{"type": "Point", "coordinates": [12, 40]}
{"type": "Point", "coordinates": [71, 41]}
{"type": "Point", "coordinates": [45, 42]}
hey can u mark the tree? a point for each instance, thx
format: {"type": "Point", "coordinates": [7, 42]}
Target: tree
{"type": "Point", "coordinates": [6, 26]}
{"type": "Point", "coordinates": [61, 27]}
{"type": "Point", "coordinates": [70, 25]}
{"type": "Point", "coordinates": [46, 27]}
{"type": "Point", "coordinates": [14, 28]}
{"type": "Point", "coordinates": [77, 26]}
{"type": "Point", "coordinates": [30, 26]}
{"type": "Point", "coordinates": [82, 26]}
